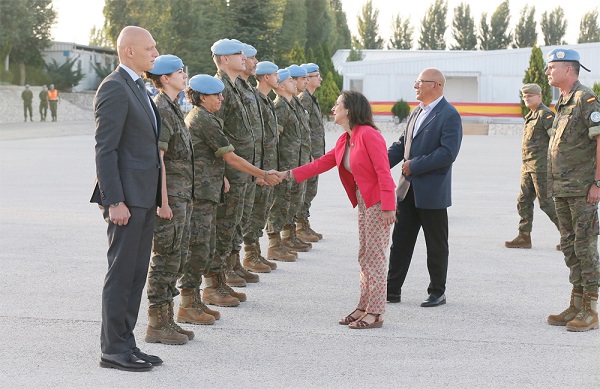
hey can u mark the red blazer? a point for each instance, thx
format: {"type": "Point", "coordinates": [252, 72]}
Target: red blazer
{"type": "Point", "coordinates": [369, 163]}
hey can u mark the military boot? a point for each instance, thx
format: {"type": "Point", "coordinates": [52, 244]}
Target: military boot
{"type": "Point", "coordinates": [231, 277]}
{"type": "Point", "coordinates": [252, 260]}
{"type": "Point", "coordinates": [291, 241]}
{"type": "Point", "coordinates": [264, 260]}
{"type": "Point", "coordinates": [212, 312]}
{"type": "Point", "coordinates": [170, 314]}
{"type": "Point", "coordinates": [215, 293]}
{"type": "Point", "coordinates": [241, 271]}
{"type": "Point", "coordinates": [159, 330]}
{"type": "Point", "coordinates": [568, 314]}
{"type": "Point", "coordinates": [277, 251]}
{"type": "Point", "coordinates": [587, 318]}
{"type": "Point", "coordinates": [303, 231]}
{"type": "Point", "coordinates": [238, 295]}
{"type": "Point", "coordinates": [190, 310]}
{"type": "Point", "coordinates": [522, 241]}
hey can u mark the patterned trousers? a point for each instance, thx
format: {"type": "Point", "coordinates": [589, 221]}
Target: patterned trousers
{"type": "Point", "coordinates": [374, 239]}
{"type": "Point", "coordinates": [534, 185]}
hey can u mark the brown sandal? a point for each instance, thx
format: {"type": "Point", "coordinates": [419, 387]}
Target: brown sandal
{"type": "Point", "coordinates": [350, 319]}
{"type": "Point", "coordinates": [363, 325]}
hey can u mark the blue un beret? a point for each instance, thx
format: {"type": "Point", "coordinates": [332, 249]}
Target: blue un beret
{"type": "Point", "coordinates": [283, 74]}
{"type": "Point", "coordinates": [227, 47]}
{"type": "Point", "coordinates": [296, 71]}
{"type": "Point", "coordinates": [249, 50]}
{"type": "Point", "coordinates": [310, 67]}
{"type": "Point", "coordinates": [560, 55]}
{"type": "Point", "coordinates": [266, 67]}
{"type": "Point", "coordinates": [207, 85]}
{"type": "Point", "coordinates": [166, 64]}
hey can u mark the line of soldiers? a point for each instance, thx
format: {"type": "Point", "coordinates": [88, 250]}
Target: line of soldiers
{"type": "Point", "coordinates": [46, 96]}
{"type": "Point", "coordinates": [220, 189]}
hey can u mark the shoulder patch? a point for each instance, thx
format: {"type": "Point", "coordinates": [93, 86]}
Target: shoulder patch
{"type": "Point", "coordinates": [595, 117]}
{"type": "Point", "coordinates": [589, 100]}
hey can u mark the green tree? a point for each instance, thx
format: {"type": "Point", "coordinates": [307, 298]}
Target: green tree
{"type": "Point", "coordinates": [463, 28]}
{"type": "Point", "coordinates": [356, 53]}
{"type": "Point", "coordinates": [320, 24]}
{"type": "Point", "coordinates": [332, 81]}
{"type": "Point", "coordinates": [400, 110]}
{"type": "Point", "coordinates": [292, 32]}
{"type": "Point", "coordinates": [63, 76]}
{"type": "Point", "coordinates": [525, 34]}
{"type": "Point", "coordinates": [433, 27]}
{"type": "Point", "coordinates": [99, 38]}
{"type": "Point", "coordinates": [484, 34]}
{"type": "Point", "coordinates": [499, 34]}
{"type": "Point", "coordinates": [343, 38]}
{"type": "Point", "coordinates": [589, 31]}
{"type": "Point", "coordinates": [554, 27]}
{"type": "Point", "coordinates": [596, 88]}
{"type": "Point", "coordinates": [368, 27]}
{"type": "Point", "coordinates": [536, 74]}
{"type": "Point", "coordinates": [402, 34]}
{"type": "Point", "coordinates": [25, 32]}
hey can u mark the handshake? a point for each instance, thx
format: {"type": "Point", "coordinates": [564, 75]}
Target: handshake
{"type": "Point", "coordinates": [273, 177]}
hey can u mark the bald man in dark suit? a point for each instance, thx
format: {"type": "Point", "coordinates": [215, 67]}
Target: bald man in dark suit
{"type": "Point", "coordinates": [127, 191]}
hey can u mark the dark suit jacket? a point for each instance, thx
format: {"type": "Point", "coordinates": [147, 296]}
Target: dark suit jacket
{"type": "Point", "coordinates": [127, 158]}
{"type": "Point", "coordinates": [431, 152]}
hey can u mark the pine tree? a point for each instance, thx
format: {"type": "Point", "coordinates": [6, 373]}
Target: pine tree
{"type": "Point", "coordinates": [589, 31]}
{"type": "Point", "coordinates": [525, 34]}
{"type": "Point", "coordinates": [484, 35]}
{"type": "Point", "coordinates": [536, 74]}
{"type": "Point", "coordinates": [500, 37]}
{"type": "Point", "coordinates": [292, 32]}
{"type": "Point", "coordinates": [433, 27]}
{"type": "Point", "coordinates": [463, 28]}
{"type": "Point", "coordinates": [554, 27]}
{"type": "Point", "coordinates": [343, 39]}
{"type": "Point", "coordinates": [320, 23]}
{"type": "Point", "coordinates": [368, 27]}
{"type": "Point", "coordinates": [402, 34]}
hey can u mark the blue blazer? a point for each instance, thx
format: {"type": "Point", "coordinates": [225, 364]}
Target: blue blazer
{"type": "Point", "coordinates": [431, 154]}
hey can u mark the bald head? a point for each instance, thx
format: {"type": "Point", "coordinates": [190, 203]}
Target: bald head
{"type": "Point", "coordinates": [136, 49]}
{"type": "Point", "coordinates": [430, 85]}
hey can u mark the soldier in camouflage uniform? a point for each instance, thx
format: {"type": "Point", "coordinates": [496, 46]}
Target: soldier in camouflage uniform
{"type": "Point", "coordinates": [536, 135]}
{"type": "Point", "coordinates": [213, 154]}
{"type": "Point", "coordinates": [288, 236]}
{"type": "Point", "coordinates": [289, 157]}
{"type": "Point", "coordinates": [172, 226]}
{"type": "Point", "coordinates": [317, 148]}
{"type": "Point", "coordinates": [574, 181]}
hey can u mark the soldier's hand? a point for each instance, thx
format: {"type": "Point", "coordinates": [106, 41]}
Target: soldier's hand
{"type": "Point", "coordinates": [273, 177]}
{"type": "Point", "coordinates": [261, 182]}
{"type": "Point", "coordinates": [593, 194]}
{"type": "Point", "coordinates": [119, 215]}
{"type": "Point", "coordinates": [226, 185]}
{"type": "Point", "coordinates": [165, 212]}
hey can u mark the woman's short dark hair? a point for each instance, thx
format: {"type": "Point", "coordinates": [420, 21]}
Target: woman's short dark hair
{"type": "Point", "coordinates": [155, 78]}
{"type": "Point", "coordinates": [193, 96]}
{"type": "Point", "coordinates": [359, 109]}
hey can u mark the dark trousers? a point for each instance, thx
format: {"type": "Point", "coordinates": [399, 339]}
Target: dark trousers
{"type": "Point", "coordinates": [128, 257]}
{"type": "Point", "coordinates": [410, 219]}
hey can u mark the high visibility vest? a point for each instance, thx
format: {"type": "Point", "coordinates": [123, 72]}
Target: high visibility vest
{"type": "Point", "coordinates": [53, 94]}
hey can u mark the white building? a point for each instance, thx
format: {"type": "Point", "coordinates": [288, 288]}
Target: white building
{"type": "Point", "coordinates": [87, 57]}
{"type": "Point", "coordinates": [482, 84]}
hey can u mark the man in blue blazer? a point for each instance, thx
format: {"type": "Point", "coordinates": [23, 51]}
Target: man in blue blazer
{"type": "Point", "coordinates": [127, 190]}
{"type": "Point", "coordinates": [427, 147]}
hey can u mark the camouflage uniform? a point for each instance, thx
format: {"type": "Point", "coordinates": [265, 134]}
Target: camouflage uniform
{"type": "Point", "coordinates": [27, 96]}
{"type": "Point", "coordinates": [536, 136]}
{"type": "Point", "coordinates": [571, 170]}
{"type": "Point", "coordinates": [237, 128]}
{"type": "Point", "coordinates": [210, 144]}
{"type": "Point", "coordinates": [299, 189]}
{"type": "Point", "coordinates": [317, 146]}
{"type": "Point", "coordinates": [171, 237]}
{"type": "Point", "coordinates": [43, 104]}
{"type": "Point", "coordinates": [289, 157]}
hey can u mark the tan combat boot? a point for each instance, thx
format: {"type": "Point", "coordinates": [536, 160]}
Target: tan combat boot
{"type": "Point", "coordinates": [212, 312]}
{"type": "Point", "coordinates": [522, 241]}
{"type": "Point", "coordinates": [231, 277]}
{"type": "Point", "coordinates": [303, 231]}
{"type": "Point", "coordinates": [190, 311]}
{"type": "Point", "coordinates": [241, 271]}
{"type": "Point", "coordinates": [159, 330]}
{"type": "Point", "coordinates": [277, 251]}
{"type": "Point", "coordinates": [313, 232]}
{"type": "Point", "coordinates": [252, 260]}
{"type": "Point", "coordinates": [587, 318]}
{"type": "Point", "coordinates": [214, 293]}
{"type": "Point", "coordinates": [568, 314]}
{"type": "Point", "coordinates": [291, 241]}
{"type": "Point", "coordinates": [176, 327]}
{"type": "Point", "coordinates": [264, 260]}
{"type": "Point", "coordinates": [238, 295]}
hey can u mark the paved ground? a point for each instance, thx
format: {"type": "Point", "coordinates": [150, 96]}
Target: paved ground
{"type": "Point", "coordinates": [492, 333]}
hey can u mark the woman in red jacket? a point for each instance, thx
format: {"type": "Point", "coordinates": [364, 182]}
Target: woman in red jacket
{"type": "Point", "coordinates": [361, 157]}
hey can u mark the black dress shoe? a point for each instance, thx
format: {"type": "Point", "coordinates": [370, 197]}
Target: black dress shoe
{"type": "Point", "coordinates": [153, 359]}
{"type": "Point", "coordinates": [125, 361]}
{"type": "Point", "coordinates": [393, 298]}
{"type": "Point", "coordinates": [434, 301]}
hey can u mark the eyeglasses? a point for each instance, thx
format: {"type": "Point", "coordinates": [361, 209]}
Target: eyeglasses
{"type": "Point", "coordinates": [420, 82]}
{"type": "Point", "coordinates": [219, 95]}
{"type": "Point", "coordinates": [315, 75]}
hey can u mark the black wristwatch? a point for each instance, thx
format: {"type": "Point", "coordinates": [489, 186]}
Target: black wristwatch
{"type": "Point", "coordinates": [597, 183]}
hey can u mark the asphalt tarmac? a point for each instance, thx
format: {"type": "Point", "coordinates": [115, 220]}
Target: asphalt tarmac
{"type": "Point", "coordinates": [492, 333]}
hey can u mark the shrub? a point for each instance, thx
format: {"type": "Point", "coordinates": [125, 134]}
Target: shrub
{"type": "Point", "coordinates": [400, 110]}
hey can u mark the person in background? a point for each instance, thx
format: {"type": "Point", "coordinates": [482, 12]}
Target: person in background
{"type": "Point", "coordinates": [53, 100]}
{"type": "Point", "coordinates": [43, 103]}
{"type": "Point", "coordinates": [27, 97]}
